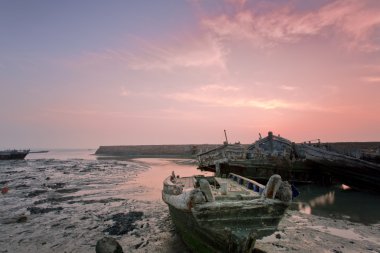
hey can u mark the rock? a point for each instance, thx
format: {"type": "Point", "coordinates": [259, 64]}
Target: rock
{"type": "Point", "coordinates": [36, 193]}
{"type": "Point", "coordinates": [21, 219]}
{"type": "Point", "coordinates": [108, 245]}
{"type": "Point", "coordinates": [124, 223]}
{"type": "Point", "coordinates": [284, 192]}
{"type": "Point", "coordinates": [38, 210]}
{"type": "Point", "coordinates": [55, 185]}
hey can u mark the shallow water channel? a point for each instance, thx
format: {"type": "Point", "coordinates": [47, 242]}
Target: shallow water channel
{"type": "Point", "coordinates": [339, 202]}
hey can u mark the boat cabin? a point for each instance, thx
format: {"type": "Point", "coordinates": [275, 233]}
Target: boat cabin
{"type": "Point", "coordinates": [270, 146]}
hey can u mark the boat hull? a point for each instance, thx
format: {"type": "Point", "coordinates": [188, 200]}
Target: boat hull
{"type": "Point", "coordinates": [197, 239]}
{"type": "Point", "coordinates": [356, 173]}
{"type": "Point", "coordinates": [231, 227]}
{"type": "Point", "coordinates": [13, 155]}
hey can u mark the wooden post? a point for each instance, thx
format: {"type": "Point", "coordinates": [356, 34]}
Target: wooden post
{"type": "Point", "coordinates": [217, 169]}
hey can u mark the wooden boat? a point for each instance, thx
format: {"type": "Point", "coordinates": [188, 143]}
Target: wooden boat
{"type": "Point", "coordinates": [214, 214]}
{"type": "Point", "coordinates": [355, 172]}
{"type": "Point", "coordinates": [267, 156]}
{"type": "Point", "coordinates": [13, 154]}
{"type": "Point", "coordinates": [299, 163]}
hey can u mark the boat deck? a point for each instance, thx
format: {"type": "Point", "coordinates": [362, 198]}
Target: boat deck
{"type": "Point", "coordinates": [232, 189]}
{"type": "Point", "coordinates": [186, 182]}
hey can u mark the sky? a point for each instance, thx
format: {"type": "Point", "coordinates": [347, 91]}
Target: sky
{"type": "Point", "coordinates": [80, 74]}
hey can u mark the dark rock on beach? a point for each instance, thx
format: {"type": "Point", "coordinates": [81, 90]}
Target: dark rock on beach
{"type": "Point", "coordinates": [35, 193]}
{"type": "Point", "coordinates": [123, 223]}
{"type": "Point", "coordinates": [38, 210]}
{"type": "Point", "coordinates": [108, 245]}
{"type": "Point", "coordinates": [55, 185]}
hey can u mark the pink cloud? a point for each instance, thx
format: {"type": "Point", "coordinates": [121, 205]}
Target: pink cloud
{"type": "Point", "coordinates": [371, 79]}
{"type": "Point", "coordinates": [125, 92]}
{"type": "Point", "coordinates": [287, 87]}
{"type": "Point", "coordinates": [201, 51]}
{"type": "Point", "coordinates": [235, 100]}
{"type": "Point", "coordinates": [237, 2]}
{"type": "Point", "coordinates": [215, 87]}
{"type": "Point", "coordinates": [357, 21]}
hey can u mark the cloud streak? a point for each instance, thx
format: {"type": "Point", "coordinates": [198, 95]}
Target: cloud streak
{"type": "Point", "coordinates": [202, 51]}
{"type": "Point", "coordinates": [242, 101]}
{"type": "Point", "coordinates": [371, 79]}
{"type": "Point", "coordinates": [217, 87]}
{"type": "Point", "coordinates": [357, 21]}
{"type": "Point", "coordinates": [288, 88]}
{"type": "Point", "coordinates": [124, 92]}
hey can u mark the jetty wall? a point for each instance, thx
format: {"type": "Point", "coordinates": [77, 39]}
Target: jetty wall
{"type": "Point", "coordinates": [354, 148]}
{"type": "Point", "coordinates": [187, 150]}
{"type": "Point", "coordinates": [191, 150]}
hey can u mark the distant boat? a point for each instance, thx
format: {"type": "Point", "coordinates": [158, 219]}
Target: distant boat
{"type": "Point", "coordinates": [39, 151]}
{"type": "Point", "coordinates": [13, 154]}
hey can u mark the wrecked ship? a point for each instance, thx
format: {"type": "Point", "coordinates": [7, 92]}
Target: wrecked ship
{"type": "Point", "coordinates": [267, 156]}
{"type": "Point", "coordinates": [301, 163]}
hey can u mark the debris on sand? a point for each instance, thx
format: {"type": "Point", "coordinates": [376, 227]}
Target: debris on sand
{"type": "Point", "coordinates": [4, 190]}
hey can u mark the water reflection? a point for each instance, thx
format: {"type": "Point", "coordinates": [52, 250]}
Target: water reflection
{"type": "Point", "coordinates": [64, 154]}
{"type": "Point", "coordinates": [334, 202]}
{"type": "Point", "coordinates": [150, 182]}
{"type": "Point", "coordinates": [339, 202]}
{"type": "Point", "coordinates": [326, 199]}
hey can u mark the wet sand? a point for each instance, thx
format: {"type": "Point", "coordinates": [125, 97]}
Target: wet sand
{"type": "Point", "coordinates": [299, 232]}
{"type": "Point", "coordinates": [67, 205]}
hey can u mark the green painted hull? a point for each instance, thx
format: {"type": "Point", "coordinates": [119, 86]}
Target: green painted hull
{"type": "Point", "coordinates": [227, 229]}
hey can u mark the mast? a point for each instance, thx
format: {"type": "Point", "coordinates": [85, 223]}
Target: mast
{"type": "Point", "coordinates": [225, 134]}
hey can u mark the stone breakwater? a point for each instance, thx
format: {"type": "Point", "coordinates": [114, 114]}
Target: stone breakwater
{"type": "Point", "coordinates": [356, 149]}
{"type": "Point", "coordinates": [186, 150]}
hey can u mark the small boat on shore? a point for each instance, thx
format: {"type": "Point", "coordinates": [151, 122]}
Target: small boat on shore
{"type": "Point", "coordinates": [214, 214]}
{"type": "Point", "coordinates": [13, 154]}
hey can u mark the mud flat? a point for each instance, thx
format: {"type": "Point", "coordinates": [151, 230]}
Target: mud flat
{"type": "Point", "coordinates": [300, 232]}
{"type": "Point", "coordinates": [68, 205]}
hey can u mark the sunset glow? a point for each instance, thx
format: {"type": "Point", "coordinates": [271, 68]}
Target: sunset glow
{"type": "Point", "coordinates": [90, 73]}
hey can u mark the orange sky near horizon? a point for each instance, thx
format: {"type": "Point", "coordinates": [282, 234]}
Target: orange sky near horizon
{"type": "Point", "coordinates": [89, 74]}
